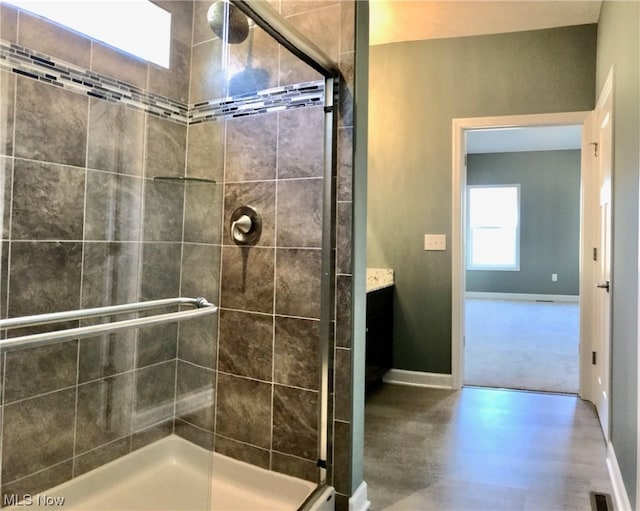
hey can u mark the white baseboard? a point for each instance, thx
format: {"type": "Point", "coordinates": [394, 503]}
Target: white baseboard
{"type": "Point", "coordinates": [358, 501]}
{"type": "Point", "coordinates": [522, 296]}
{"type": "Point", "coordinates": [620, 496]}
{"type": "Point", "coordinates": [418, 379]}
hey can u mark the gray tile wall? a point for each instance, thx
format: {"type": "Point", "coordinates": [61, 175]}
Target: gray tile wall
{"type": "Point", "coordinates": [197, 342]}
{"type": "Point", "coordinates": [37, 34]}
{"type": "Point", "coordinates": [343, 374]}
{"type": "Point", "coordinates": [135, 239]}
{"type": "Point", "coordinates": [84, 225]}
{"type": "Point", "coordinates": [268, 365]}
{"type": "Point", "coordinates": [269, 335]}
{"type": "Point", "coordinates": [318, 21]}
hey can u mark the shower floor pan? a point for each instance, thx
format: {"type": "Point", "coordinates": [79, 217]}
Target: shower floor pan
{"type": "Point", "coordinates": [174, 475]}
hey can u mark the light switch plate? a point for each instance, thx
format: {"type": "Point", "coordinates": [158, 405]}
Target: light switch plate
{"type": "Point", "coordinates": [435, 242]}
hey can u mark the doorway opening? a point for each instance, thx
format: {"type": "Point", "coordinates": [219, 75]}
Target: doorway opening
{"type": "Point", "coordinates": [462, 128]}
{"type": "Point", "coordinates": [522, 247]}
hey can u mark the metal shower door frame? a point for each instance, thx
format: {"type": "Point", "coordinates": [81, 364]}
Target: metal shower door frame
{"type": "Point", "coordinates": [272, 23]}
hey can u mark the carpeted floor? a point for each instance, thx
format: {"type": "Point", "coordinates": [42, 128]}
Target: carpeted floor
{"type": "Point", "coordinates": [522, 345]}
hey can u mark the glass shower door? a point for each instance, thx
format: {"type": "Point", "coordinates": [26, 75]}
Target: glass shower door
{"type": "Point", "coordinates": [88, 135]}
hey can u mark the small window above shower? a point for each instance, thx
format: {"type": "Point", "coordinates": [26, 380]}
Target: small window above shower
{"type": "Point", "coordinates": [117, 24]}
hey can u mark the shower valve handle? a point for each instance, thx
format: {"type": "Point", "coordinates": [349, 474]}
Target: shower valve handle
{"type": "Point", "coordinates": [245, 226]}
{"type": "Point", "coordinates": [242, 224]}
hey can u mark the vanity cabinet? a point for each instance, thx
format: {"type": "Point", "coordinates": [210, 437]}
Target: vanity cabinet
{"type": "Point", "coordinates": [379, 349]}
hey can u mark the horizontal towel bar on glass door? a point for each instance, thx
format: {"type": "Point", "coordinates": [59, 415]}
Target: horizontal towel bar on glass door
{"type": "Point", "coordinates": [203, 308]}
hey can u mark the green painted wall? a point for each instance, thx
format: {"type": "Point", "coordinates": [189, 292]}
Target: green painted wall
{"type": "Point", "coordinates": [549, 220]}
{"type": "Point", "coordinates": [618, 46]}
{"type": "Point", "coordinates": [416, 89]}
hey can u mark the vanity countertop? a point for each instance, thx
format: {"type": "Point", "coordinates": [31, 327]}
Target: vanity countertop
{"type": "Point", "coordinates": [378, 278]}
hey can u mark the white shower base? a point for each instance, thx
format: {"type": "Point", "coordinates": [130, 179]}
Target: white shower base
{"type": "Point", "coordinates": [175, 475]}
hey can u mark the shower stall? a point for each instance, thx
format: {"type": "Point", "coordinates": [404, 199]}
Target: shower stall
{"type": "Point", "coordinates": [175, 260]}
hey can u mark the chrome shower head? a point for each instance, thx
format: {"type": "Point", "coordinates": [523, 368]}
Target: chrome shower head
{"type": "Point", "coordinates": [238, 24]}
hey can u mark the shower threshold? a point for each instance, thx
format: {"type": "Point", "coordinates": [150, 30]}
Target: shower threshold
{"type": "Point", "coordinates": [173, 474]}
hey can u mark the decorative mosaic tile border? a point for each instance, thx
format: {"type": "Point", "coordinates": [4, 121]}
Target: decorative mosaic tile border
{"type": "Point", "coordinates": [268, 100]}
{"type": "Point", "coordinates": [38, 66]}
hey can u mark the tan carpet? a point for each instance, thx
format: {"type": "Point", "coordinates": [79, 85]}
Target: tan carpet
{"type": "Point", "coordinates": [522, 345]}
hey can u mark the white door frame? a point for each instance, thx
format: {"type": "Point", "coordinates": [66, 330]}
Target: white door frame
{"type": "Point", "coordinates": [459, 178]}
{"type": "Point", "coordinates": [601, 300]}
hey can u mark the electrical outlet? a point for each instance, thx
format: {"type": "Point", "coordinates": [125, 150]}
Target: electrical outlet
{"type": "Point", "coordinates": [554, 277]}
{"type": "Point", "coordinates": [435, 242]}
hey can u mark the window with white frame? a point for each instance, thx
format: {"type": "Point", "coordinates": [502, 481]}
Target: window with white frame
{"type": "Point", "coordinates": [493, 227]}
{"type": "Point", "coordinates": [119, 24]}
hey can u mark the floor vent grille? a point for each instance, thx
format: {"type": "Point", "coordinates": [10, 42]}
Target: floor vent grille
{"type": "Point", "coordinates": [600, 501]}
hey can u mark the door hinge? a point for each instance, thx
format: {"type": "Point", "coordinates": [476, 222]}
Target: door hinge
{"type": "Point", "coordinates": [595, 253]}
{"type": "Point", "coordinates": [321, 463]}
{"type": "Point", "coordinates": [593, 357]}
{"type": "Point", "coordinates": [595, 148]}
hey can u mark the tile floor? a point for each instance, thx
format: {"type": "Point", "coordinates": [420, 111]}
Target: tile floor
{"type": "Point", "coordinates": [481, 449]}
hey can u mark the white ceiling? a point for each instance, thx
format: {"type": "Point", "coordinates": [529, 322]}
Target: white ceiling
{"type": "Point", "coordinates": [509, 140]}
{"type": "Point", "coordinates": [413, 20]}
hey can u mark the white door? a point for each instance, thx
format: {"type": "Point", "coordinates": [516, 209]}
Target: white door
{"type": "Point", "coordinates": [602, 303]}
